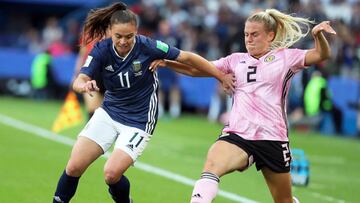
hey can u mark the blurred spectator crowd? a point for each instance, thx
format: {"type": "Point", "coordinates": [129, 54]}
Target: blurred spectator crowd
{"type": "Point", "coordinates": [211, 28]}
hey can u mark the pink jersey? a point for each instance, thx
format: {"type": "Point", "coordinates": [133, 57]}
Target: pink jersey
{"type": "Point", "coordinates": [259, 101]}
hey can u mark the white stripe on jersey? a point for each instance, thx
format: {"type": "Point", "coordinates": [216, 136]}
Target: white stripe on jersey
{"type": "Point", "coordinates": [285, 90]}
{"type": "Point", "coordinates": [88, 61]}
{"type": "Point", "coordinates": [151, 114]}
{"type": "Point", "coordinates": [152, 107]}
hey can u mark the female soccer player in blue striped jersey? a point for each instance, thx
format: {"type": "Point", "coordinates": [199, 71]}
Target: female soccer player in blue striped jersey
{"type": "Point", "coordinates": [128, 114]}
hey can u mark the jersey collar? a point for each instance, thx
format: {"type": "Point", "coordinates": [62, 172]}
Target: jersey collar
{"type": "Point", "coordinates": [123, 58]}
{"type": "Point", "coordinates": [262, 57]}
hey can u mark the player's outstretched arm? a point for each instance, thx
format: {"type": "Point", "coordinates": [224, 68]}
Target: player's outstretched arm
{"type": "Point", "coordinates": [188, 70]}
{"type": "Point", "coordinates": [204, 66]}
{"type": "Point", "coordinates": [322, 49]}
{"type": "Point", "coordinates": [178, 67]}
{"type": "Point", "coordinates": [196, 61]}
{"type": "Point", "coordinates": [83, 83]}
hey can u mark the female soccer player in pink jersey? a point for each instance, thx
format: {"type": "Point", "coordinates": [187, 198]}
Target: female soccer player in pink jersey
{"type": "Point", "coordinates": [257, 130]}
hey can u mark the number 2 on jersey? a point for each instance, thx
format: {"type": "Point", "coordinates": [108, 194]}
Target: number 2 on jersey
{"type": "Point", "coordinates": [127, 81]}
{"type": "Point", "coordinates": [252, 71]}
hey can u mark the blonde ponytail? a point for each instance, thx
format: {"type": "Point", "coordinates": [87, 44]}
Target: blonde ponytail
{"type": "Point", "coordinates": [288, 29]}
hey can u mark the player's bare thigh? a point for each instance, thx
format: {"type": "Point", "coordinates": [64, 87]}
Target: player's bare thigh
{"type": "Point", "coordinates": [129, 145]}
{"type": "Point", "coordinates": [224, 157]}
{"type": "Point", "coordinates": [116, 165]}
{"type": "Point", "coordinates": [93, 102]}
{"type": "Point", "coordinates": [279, 185]}
{"type": "Point", "coordinates": [84, 152]}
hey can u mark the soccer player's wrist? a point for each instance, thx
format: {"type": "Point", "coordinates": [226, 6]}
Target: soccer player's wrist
{"type": "Point", "coordinates": [221, 77]}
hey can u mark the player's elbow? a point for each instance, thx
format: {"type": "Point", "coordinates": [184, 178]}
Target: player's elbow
{"type": "Point", "coordinates": [327, 55]}
{"type": "Point", "coordinates": [75, 86]}
{"type": "Point", "coordinates": [78, 83]}
{"type": "Point", "coordinates": [324, 54]}
{"type": "Point", "coordinates": [194, 72]}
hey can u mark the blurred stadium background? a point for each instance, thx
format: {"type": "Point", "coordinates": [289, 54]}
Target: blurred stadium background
{"type": "Point", "coordinates": [32, 157]}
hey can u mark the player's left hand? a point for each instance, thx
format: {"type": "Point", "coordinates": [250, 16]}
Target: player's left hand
{"type": "Point", "coordinates": [228, 83]}
{"type": "Point", "coordinates": [157, 63]}
{"type": "Point", "coordinates": [323, 26]}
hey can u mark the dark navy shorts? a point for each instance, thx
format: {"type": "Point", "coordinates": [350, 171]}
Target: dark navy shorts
{"type": "Point", "coordinates": [272, 154]}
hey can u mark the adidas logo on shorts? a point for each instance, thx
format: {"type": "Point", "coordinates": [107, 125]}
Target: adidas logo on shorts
{"type": "Point", "coordinates": [130, 146]}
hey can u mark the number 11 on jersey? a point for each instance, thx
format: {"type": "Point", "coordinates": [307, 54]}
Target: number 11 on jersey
{"type": "Point", "coordinates": [127, 81]}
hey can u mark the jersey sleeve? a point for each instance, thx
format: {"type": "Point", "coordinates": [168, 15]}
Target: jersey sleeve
{"type": "Point", "coordinates": [295, 59]}
{"type": "Point", "coordinates": [160, 50]}
{"type": "Point", "coordinates": [223, 64]}
{"type": "Point", "coordinates": [92, 64]}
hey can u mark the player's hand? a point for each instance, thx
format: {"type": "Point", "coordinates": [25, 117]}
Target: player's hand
{"type": "Point", "coordinates": [157, 63]}
{"type": "Point", "coordinates": [90, 86]}
{"type": "Point", "coordinates": [323, 26]}
{"type": "Point", "coordinates": [228, 83]}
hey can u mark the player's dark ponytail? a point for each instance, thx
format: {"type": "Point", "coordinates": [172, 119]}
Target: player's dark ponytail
{"type": "Point", "coordinates": [98, 20]}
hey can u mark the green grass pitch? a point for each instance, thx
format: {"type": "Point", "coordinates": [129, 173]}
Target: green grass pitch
{"type": "Point", "coordinates": [31, 165]}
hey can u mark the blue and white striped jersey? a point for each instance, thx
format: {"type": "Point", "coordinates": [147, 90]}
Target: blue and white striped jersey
{"type": "Point", "coordinates": [131, 88]}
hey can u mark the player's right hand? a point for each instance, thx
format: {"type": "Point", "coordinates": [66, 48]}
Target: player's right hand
{"type": "Point", "coordinates": [90, 86]}
{"type": "Point", "coordinates": [155, 64]}
{"type": "Point", "coordinates": [323, 26]}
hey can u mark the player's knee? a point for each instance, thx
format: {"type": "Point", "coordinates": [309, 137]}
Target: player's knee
{"type": "Point", "coordinates": [111, 176]}
{"type": "Point", "coordinates": [214, 167]}
{"type": "Point", "coordinates": [74, 170]}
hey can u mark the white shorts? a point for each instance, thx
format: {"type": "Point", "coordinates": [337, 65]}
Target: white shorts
{"type": "Point", "coordinates": [105, 131]}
